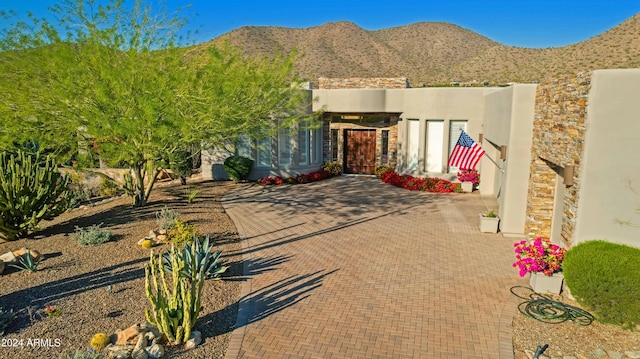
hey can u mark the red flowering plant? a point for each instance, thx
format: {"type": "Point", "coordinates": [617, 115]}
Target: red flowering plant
{"type": "Point", "coordinates": [411, 183]}
{"type": "Point", "coordinates": [466, 175]}
{"type": "Point", "coordinates": [538, 256]}
{"type": "Point", "coordinates": [299, 179]}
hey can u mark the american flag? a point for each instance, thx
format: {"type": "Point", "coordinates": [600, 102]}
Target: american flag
{"type": "Point", "coordinates": [466, 153]}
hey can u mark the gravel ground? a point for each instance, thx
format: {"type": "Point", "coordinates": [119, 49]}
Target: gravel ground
{"type": "Point", "coordinates": [570, 340]}
{"type": "Point", "coordinates": [101, 288]}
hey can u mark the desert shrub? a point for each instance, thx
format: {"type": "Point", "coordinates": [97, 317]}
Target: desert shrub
{"type": "Point", "coordinates": [182, 233]}
{"type": "Point", "coordinates": [92, 235]}
{"type": "Point", "coordinates": [605, 278]}
{"type": "Point", "coordinates": [332, 167]}
{"type": "Point", "coordinates": [381, 169]}
{"type": "Point", "coordinates": [181, 165]}
{"type": "Point", "coordinates": [238, 168]}
{"type": "Point", "coordinates": [191, 194]}
{"type": "Point", "coordinates": [109, 187]}
{"type": "Point", "coordinates": [166, 218]}
{"type": "Point", "coordinates": [31, 190]}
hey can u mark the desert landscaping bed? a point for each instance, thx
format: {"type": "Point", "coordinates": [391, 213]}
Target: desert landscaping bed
{"type": "Point", "coordinates": [101, 288]}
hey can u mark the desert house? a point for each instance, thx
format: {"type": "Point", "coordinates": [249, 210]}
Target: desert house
{"type": "Point", "coordinates": [559, 157]}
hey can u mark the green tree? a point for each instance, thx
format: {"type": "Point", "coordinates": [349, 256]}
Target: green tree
{"type": "Point", "coordinates": [119, 77]}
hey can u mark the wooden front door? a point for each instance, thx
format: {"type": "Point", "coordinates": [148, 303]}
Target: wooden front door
{"type": "Point", "coordinates": [360, 151]}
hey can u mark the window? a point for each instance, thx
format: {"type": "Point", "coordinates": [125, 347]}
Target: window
{"type": "Point", "coordinates": [385, 146]}
{"type": "Point", "coordinates": [455, 129]}
{"type": "Point", "coordinates": [264, 152]}
{"type": "Point", "coordinates": [334, 145]}
{"type": "Point", "coordinates": [244, 146]}
{"type": "Point", "coordinates": [284, 147]}
{"type": "Point", "coordinates": [317, 145]}
{"type": "Point", "coordinates": [303, 144]}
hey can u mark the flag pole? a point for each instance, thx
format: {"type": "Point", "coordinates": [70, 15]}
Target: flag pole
{"type": "Point", "coordinates": [494, 162]}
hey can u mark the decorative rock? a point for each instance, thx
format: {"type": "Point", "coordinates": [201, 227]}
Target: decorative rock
{"type": "Point", "coordinates": [615, 355]}
{"type": "Point", "coordinates": [138, 351]}
{"type": "Point", "coordinates": [161, 238]}
{"type": "Point", "coordinates": [155, 351]}
{"type": "Point", "coordinates": [119, 351]}
{"type": "Point", "coordinates": [599, 353]}
{"type": "Point", "coordinates": [128, 336]}
{"type": "Point", "coordinates": [8, 258]}
{"type": "Point", "coordinates": [151, 332]}
{"type": "Point", "coordinates": [194, 340]}
{"type": "Point", "coordinates": [34, 254]}
{"type": "Point", "coordinates": [633, 355]}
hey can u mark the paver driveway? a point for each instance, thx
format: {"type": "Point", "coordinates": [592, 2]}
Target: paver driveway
{"type": "Point", "coordinates": [355, 268]}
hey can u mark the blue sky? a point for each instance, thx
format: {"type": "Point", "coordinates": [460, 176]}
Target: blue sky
{"type": "Point", "coordinates": [524, 23]}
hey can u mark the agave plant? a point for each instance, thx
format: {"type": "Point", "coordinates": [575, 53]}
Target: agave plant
{"type": "Point", "coordinates": [199, 261]}
{"type": "Point", "coordinates": [26, 262]}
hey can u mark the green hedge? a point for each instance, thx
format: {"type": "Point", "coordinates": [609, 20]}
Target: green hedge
{"type": "Point", "coordinates": [238, 167]}
{"type": "Point", "coordinates": [605, 278]}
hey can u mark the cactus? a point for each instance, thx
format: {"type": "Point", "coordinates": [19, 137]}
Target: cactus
{"type": "Point", "coordinates": [99, 341]}
{"type": "Point", "coordinates": [176, 303]}
{"type": "Point", "coordinates": [31, 190]}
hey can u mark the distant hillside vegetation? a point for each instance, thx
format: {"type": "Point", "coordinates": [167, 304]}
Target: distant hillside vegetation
{"type": "Point", "coordinates": [434, 53]}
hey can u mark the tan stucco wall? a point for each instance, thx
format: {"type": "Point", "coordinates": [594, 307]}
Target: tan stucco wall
{"type": "Point", "coordinates": [610, 165]}
{"type": "Point", "coordinates": [508, 122]}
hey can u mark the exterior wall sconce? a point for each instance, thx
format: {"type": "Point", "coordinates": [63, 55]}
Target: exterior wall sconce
{"type": "Point", "coordinates": [480, 138]}
{"type": "Point", "coordinates": [568, 175]}
{"type": "Point", "coordinates": [503, 152]}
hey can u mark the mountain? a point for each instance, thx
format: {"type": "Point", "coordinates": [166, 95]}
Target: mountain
{"type": "Point", "coordinates": [434, 52]}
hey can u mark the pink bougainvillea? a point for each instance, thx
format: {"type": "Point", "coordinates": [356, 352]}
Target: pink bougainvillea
{"type": "Point", "coordinates": [466, 175]}
{"type": "Point", "coordinates": [538, 256]}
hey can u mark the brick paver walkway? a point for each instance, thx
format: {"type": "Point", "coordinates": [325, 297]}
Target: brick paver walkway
{"type": "Point", "coordinates": [354, 268]}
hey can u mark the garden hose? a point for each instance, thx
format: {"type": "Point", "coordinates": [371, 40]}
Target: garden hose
{"type": "Point", "coordinates": [547, 310]}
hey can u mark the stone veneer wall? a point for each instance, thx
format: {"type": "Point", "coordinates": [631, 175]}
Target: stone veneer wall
{"type": "Point", "coordinates": [558, 134]}
{"type": "Point", "coordinates": [361, 83]}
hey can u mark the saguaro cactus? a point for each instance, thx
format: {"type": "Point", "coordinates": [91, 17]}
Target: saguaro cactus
{"type": "Point", "coordinates": [31, 190]}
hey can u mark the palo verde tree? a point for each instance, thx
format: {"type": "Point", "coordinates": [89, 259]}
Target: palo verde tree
{"type": "Point", "coordinates": [116, 79]}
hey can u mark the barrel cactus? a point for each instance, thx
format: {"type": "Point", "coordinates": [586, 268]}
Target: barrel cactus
{"type": "Point", "coordinates": [31, 190]}
{"type": "Point", "coordinates": [99, 341]}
